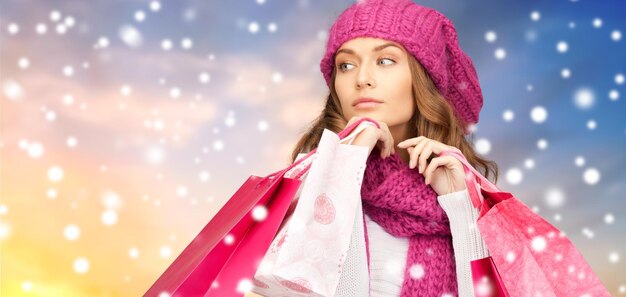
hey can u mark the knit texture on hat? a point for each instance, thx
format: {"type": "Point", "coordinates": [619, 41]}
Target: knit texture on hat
{"type": "Point", "coordinates": [426, 34]}
{"type": "Point", "coordinates": [396, 197]}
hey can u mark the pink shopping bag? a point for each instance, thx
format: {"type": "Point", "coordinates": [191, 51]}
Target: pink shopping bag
{"type": "Point", "coordinates": [532, 256]}
{"type": "Point", "coordinates": [486, 278]}
{"type": "Point", "coordinates": [222, 259]}
{"type": "Point", "coordinates": [321, 251]}
{"type": "Point", "coordinates": [219, 256]}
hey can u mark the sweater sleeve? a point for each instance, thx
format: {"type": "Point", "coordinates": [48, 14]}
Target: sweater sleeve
{"type": "Point", "coordinates": [466, 239]}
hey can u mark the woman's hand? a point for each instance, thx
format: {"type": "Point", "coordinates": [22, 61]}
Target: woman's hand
{"type": "Point", "coordinates": [444, 174]}
{"type": "Point", "coordinates": [375, 137]}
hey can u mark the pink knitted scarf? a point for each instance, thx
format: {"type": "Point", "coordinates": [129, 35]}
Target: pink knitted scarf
{"type": "Point", "coordinates": [396, 197]}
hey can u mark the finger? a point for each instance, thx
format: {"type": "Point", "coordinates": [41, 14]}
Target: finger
{"type": "Point", "coordinates": [380, 142]}
{"type": "Point", "coordinates": [417, 151]}
{"type": "Point", "coordinates": [434, 163]}
{"type": "Point", "coordinates": [381, 148]}
{"type": "Point", "coordinates": [384, 137]}
{"type": "Point", "coordinates": [425, 154]}
{"type": "Point", "coordinates": [411, 141]}
{"type": "Point", "coordinates": [348, 123]}
{"type": "Point", "coordinates": [389, 141]}
{"type": "Point", "coordinates": [352, 120]}
{"type": "Point", "coordinates": [413, 153]}
{"type": "Point", "coordinates": [388, 138]}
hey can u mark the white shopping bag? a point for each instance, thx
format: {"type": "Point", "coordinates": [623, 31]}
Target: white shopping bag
{"type": "Point", "coordinates": [321, 250]}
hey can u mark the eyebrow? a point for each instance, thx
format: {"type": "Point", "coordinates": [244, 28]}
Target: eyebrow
{"type": "Point", "coordinates": [376, 49]}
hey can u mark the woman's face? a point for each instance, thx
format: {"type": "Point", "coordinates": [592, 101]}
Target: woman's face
{"type": "Point", "coordinates": [377, 69]}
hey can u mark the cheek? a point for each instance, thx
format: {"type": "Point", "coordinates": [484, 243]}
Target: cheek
{"type": "Point", "coordinates": [343, 92]}
{"type": "Point", "coordinates": [400, 95]}
{"type": "Point", "coordinates": [403, 107]}
{"type": "Point", "coordinates": [398, 85]}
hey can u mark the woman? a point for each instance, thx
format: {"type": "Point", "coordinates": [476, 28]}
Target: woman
{"type": "Point", "coordinates": [400, 64]}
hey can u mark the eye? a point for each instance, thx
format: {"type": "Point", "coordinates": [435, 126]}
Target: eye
{"type": "Point", "coordinates": [341, 66]}
{"type": "Point", "coordinates": [342, 69]}
{"type": "Point", "coordinates": [392, 61]}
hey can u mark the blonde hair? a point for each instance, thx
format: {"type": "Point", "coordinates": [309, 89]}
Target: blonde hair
{"type": "Point", "coordinates": [433, 119]}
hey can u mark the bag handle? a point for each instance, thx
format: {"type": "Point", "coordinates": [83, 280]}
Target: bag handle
{"type": "Point", "coordinates": [476, 183]}
{"type": "Point", "coordinates": [351, 137]}
{"type": "Point", "coordinates": [355, 132]}
{"type": "Point", "coordinates": [343, 135]}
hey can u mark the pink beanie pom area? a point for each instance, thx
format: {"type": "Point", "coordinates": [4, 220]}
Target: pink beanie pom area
{"type": "Point", "coordinates": [425, 33]}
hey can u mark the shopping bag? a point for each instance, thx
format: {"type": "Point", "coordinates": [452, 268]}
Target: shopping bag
{"type": "Point", "coordinates": [321, 251]}
{"type": "Point", "coordinates": [486, 278]}
{"type": "Point", "coordinates": [532, 257]}
{"type": "Point", "coordinates": [223, 244]}
{"type": "Point", "coordinates": [222, 259]}
{"type": "Point", "coordinates": [354, 278]}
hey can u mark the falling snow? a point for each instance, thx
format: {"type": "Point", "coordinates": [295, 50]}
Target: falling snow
{"type": "Point", "coordinates": [514, 176]}
{"type": "Point", "coordinates": [259, 213]}
{"type": "Point", "coordinates": [491, 36]}
{"type": "Point", "coordinates": [584, 98]}
{"type": "Point", "coordinates": [81, 265]}
{"type": "Point", "coordinates": [154, 112]}
{"type": "Point", "coordinates": [55, 174]}
{"type": "Point", "coordinates": [539, 114]}
{"type": "Point", "coordinates": [555, 198]}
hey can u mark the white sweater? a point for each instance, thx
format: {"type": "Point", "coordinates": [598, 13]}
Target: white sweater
{"type": "Point", "coordinates": [388, 253]}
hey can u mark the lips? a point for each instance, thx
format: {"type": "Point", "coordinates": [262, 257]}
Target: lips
{"type": "Point", "coordinates": [364, 100]}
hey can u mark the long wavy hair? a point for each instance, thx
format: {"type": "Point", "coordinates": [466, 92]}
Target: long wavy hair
{"type": "Point", "coordinates": [434, 118]}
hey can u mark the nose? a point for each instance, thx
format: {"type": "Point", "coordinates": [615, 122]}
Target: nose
{"type": "Point", "coordinates": [364, 78]}
{"type": "Point", "coordinates": [360, 84]}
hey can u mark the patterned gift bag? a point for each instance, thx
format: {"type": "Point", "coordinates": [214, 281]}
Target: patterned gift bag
{"type": "Point", "coordinates": [324, 238]}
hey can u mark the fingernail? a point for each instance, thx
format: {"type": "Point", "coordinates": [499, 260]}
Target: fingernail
{"type": "Point", "coordinates": [412, 164]}
{"type": "Point", "coordinates": [421, 168]}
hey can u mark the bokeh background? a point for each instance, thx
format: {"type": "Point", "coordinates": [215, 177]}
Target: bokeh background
{"type": "Point", "coordinates": [126, 125]}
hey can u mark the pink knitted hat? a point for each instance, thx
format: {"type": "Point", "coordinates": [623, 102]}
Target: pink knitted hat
{"type": "Point", "coordinates": [425, 33]}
